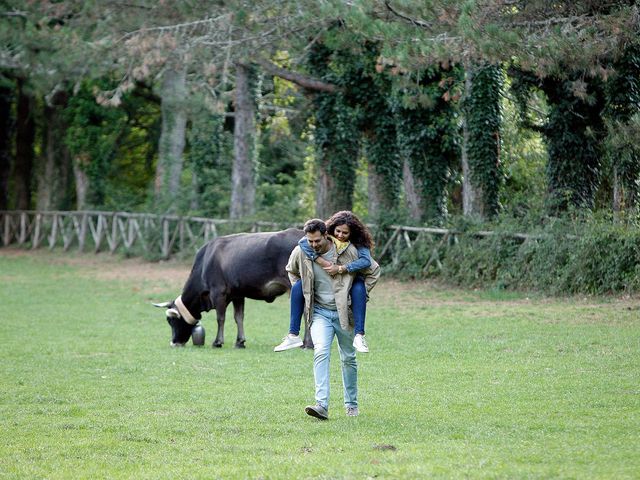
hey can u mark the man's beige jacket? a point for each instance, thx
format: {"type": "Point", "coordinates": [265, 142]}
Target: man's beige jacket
{"type": "Point", "coordinates": [301, 267]}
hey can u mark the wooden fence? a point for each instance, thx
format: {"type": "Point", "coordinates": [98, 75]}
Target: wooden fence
{"type": "Point", "coordinates": [162, 236]}
{"type": "Point", "coordinates": [132, 233]}
{"type": "Point", "coordinates": [403, 237]}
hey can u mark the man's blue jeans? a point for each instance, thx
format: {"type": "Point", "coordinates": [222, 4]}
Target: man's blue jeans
{"type": "Point", "coordinates": [324, 327]}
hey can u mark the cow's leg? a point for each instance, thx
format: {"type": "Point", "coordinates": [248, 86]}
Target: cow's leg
{"type": "Point", "coordinates": [221, 308]}
{"type": "Point", "coordinates": [238, 315]}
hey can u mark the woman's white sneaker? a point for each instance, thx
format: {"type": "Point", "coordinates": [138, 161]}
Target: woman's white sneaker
{"type": "Point", "coordinates": [289, 342]}
{"type": "Point", "coordinates": [360, 343]}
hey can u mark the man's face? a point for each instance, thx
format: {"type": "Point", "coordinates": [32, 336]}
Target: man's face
{"type": "Point", "coordinates": [317, 241]}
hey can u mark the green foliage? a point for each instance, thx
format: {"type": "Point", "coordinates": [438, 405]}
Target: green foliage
{"type": "Point", "coordinates": [562, 256]}
{"type": "Point", "coordinates": [281, 172]}
{"type": "Point", "coordinates": [573, 254]}
{"type": "Point", "coordinates": [573, 131]}
{"type": "Point", "coordinates": [133, 167]}
{"type": "Point", "coordinates": [375, 54]}
{"type": "Point", "coordinates": [481, 109]}
{"type": "Point", "coordinates": [361, 193]}
{"type": "Point", "coordinates": [523, 158]}
{"type": "Point", "coordinates": [209, 159]}
{"type": "Point", "coordinates": [92, 137]}
{"type": "Point", "coordinates": [278, 201]}
{"type": "Point", "coordinates": [308, 178]}
{"type": "Point", "coordinates": [479, 261]}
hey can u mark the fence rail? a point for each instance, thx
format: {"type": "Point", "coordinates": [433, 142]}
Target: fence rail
{"type": "Point", "coordinates": [162, 236]}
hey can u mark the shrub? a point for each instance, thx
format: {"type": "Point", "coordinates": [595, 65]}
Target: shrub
{"type": "Point", "coordinates": [560, 256]}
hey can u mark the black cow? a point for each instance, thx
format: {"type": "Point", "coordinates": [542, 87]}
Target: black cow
{"type": "Point", "coordinates": [230, 269]}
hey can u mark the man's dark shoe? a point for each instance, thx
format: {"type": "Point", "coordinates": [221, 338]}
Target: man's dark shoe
{"type": "Point", "coordinates": [317, 411]}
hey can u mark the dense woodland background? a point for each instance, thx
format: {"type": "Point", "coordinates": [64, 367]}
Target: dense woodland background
{"type": "Point", "coordinates": [510, 115]}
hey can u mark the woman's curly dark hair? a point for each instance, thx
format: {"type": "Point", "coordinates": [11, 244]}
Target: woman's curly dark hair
{"type": "Point", "coordinates": [360, 235]}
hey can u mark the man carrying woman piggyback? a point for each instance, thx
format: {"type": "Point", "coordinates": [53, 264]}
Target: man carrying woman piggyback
{"type": "Point", "coordinates": [344, 228]}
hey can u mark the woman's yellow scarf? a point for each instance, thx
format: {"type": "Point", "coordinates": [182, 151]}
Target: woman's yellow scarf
{"type": "Point", "coordinates": [340, 246]}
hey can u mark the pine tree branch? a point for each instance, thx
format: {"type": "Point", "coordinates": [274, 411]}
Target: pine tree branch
{"type": "Point", "coordinates": [418, 23]}
{"type": "Point", "coordinates": [550, 21]}
{"type": "Point", "coordinates": [176, 27]}
{"type": "Point", "coordinates": [304, 81]}
{"type": "Point", "coordinates": [14, 13]}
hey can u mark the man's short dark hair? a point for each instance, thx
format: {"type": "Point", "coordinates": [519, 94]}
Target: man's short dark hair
{"type": "Point", "coordinates": [315, 225]}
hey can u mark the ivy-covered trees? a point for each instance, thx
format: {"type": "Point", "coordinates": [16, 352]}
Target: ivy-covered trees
{"type": "Point", "coordinates": [622, 118]}
{"type": "Point", "coordinates": [574, 134]}
{"type": "Point", "coordinates": [481, 149]}
{"type": "Point", "coordinates": [336, 138]}
{"type": "Point", "coordinates": [371, 91]}
{"type": "Point", "coordinates": [428, 136]}
{"type": "Point", "coordinates": [407, 93]}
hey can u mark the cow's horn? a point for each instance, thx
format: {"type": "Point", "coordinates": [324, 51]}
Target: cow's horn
{"type": "Point", "coordinates": [162, 305]}
{"type": "Point", "coordinates": [172, 312]}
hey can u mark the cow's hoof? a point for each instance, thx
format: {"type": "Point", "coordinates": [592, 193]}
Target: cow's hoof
{"type": "Point", "coordinates": [216, 345]}
{"type": "Point", "coordinates": [240, 344]}
{"type": "Point", "coordinates": [307, 346]}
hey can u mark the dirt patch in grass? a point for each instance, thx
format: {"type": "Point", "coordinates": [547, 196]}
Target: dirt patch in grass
{"type": "Point", "coordinates": [104, 266]}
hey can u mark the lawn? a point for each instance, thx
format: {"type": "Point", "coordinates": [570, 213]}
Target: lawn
{"type": "Point", "coordinates": [458, 384]}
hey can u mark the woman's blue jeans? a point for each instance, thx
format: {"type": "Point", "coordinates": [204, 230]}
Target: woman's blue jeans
{"type": "Point", "coordinates": [358, 306]}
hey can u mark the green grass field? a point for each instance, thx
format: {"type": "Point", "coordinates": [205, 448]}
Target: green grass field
{"type": "Point", "coordinates": [458, 384]}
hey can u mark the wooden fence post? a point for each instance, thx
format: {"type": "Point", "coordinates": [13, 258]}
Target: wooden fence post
{"type": "Point", "coordinates": [165, 238]}
{"type": "Point", "coordinates": [7, 229]}
{"type": "Point", "coordinates": [35, 242]}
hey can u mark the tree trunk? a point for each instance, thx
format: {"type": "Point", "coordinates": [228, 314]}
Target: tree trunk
{"type": "Point", "coordinates": [471, 195]}
{"type": "Point", "coordinates": [374, 188]}
{"type": "Point", "coordinates": [25, 137]}
{"type": "Point", "coordinates": [82, 180]}
{"type": "Point", "coordinates": [194, 202]}
{"type": "Point", "coordinates": [337, 149]}
{"type": "Point", "coordinates": [172, 138]}
{"type": "Point", "coordinates": [54, 180]}
{"type": "Point", "coordinates": [243, 192]}
{"type": "Point", "coordinates": [6, 97]}
{"type": "Point", "coordinates": [624, 193]}
{"type": "Point", "coordinates": [472, 204]}
{"type": "Point", "coordinates": [411, 194]}
{"type": "Point", "coordinates": [325, 191]}
{"type": "Point", "coordinates": [333, 193]}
